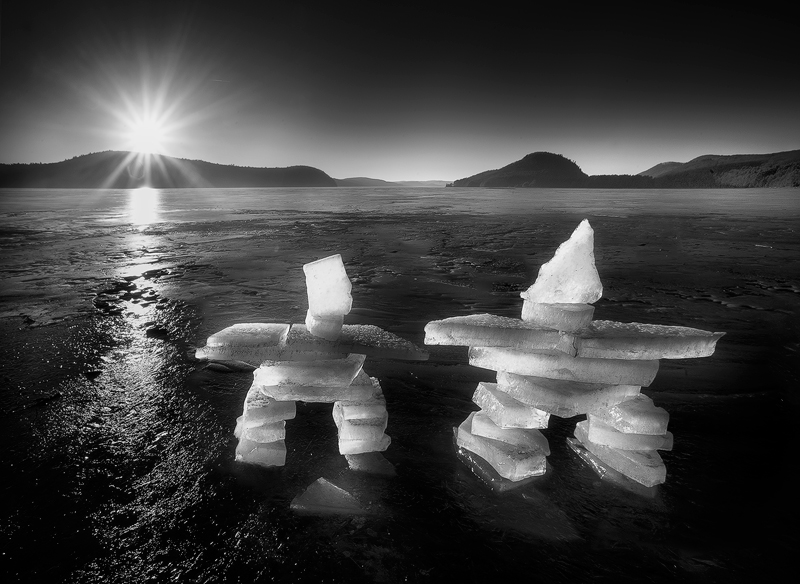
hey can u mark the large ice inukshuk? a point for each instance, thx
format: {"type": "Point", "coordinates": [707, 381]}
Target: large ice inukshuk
{"type": "Point", "coordinates": [319, 361]}
{"type": "Point", "coordinates": [556, 360]}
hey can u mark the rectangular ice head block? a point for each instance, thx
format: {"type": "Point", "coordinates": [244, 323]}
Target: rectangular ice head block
{"type": "Point", "coordinates": [319, 373]}
{"type": "Point", "coordinates": [643, 466]}
{"type": "Point", "coordinates": [247, 342]}
{"type": "Point", "coordinates": [601, 433]}
{"type": "Point", "coordinates": [638, 415]}
{"type": "Point", "coordinates": [365, 339]}
{"type": "Point", "coordinates": [566, 317]}
{"type": "Point", "coordinates": [269, 454]}
{"type": "Point", "coordinates": [489, 330]}
{"type": "Point", "coordinates": [482, 425]}
{"type": "Point", "coordinates": [510, 461]}
{"type": "Point", "coordinates": [563, 398]}
{"type": "Point", "coordinates": [607, 339]}
{"type": "Point", "coordinates": [560, 366]}
{"type": "Point", "coordinates": [328, 287]}
{"type": "Point", "coordinates": [507, 412]}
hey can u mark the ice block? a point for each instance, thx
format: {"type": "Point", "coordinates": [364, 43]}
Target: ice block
{"type": "Point", "coordinates": [601, 433]}
{"type": "Point", "coordinates": [328, 287]}
{"type": "Point", "coordinates": [507, 412]}
{"type": "Point", "coordinates": [261, 409]}
{"type": "Point", "coordinates": [637, 415]}
{"type": "Point", "coordinates": [482, 425]}
{"type": "Point", "coordinates": [365, 339]}
{"type": "Point", "coordinates": [265, 433]}
{"type": "Point", "coordinates": [322, 497]}
{"type": "Point", "coordinates": [371, 406]}
{"type": "Point", "coordinates": [489, 330]}
{"type": "Point", "coordinates": [607, 473]}
{"type": "Point", "coordinates": [643, 466]}
{"type": "Point", "coordinates": [511, 462]}
{"type": "Point", "coordinates": [269, 454]}
{"type": "Point", "coordinates": [563, 398]}
{"type": "Point", "coordinates": [363, 389]}
{"type": "Point", "coordinates": [362, 446]}
{"type": "Point", "coordinates": [560, 366]}
{"type": "Point", "coordinates": [320, 373]}
{"type": "Point", "coordinates": [567, 317]}
{"type": "Point", "coordinates": [367, 429]}
{"type": "Point", "coordinates": [570, 276]}
{"type": "Point", "coordinates": [325, 327]}
{"type": "Point", "coordinates": [371, 463]}
{"type": "Point", "coordinates": [248, 342]}
{"type": "Point", "coordinates": [607, 339]}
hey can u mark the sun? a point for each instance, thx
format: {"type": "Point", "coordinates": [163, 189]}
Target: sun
{"type": "Point", "coordinates": [146, 135]}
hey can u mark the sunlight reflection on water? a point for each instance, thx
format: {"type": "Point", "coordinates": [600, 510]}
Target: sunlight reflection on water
{"type": "Point", "coordinates": [143, 206]}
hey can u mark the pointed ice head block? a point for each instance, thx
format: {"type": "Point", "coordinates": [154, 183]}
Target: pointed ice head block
{"type": "Point", "coordinates": [366, 339]}
{"type": "Point", "coordinates": [363, 389]}
{"type": "Point", "coordinates": [571, 275]}
{"type": "Point", "coordinates": [322, 497]}
{"type": "Point", "coordinates": [489, 330]}
{"type": "Point", "coordinates": [269, 454]}
{"type": "Point", "coordinates": [563, 398]}
{"type": "Point", "coordinates": [605, 435]}
{"type": "Point", "coordinates": [561, 366]}
{"type": "Point", "coordinates": [511, 461]}
{"type": "Point", "coordinates": [261, 409]}
{"type": "Point", "coordinates": [320, 373]}
{"type": "Point", "coordinates": [561, 317]}
{"type": "Point", "coordinates": [607, 339]}
{"type": "Point", "coordinates": [635, 416]}
{"type": "Point", "coordinates": [249, 342]}
{"type": "Point", "coordinates": [482, 425]}
{"type": "Point", "coordinates": [328, 287]}
{"type": "Point", "coordinates": [643, 466]}
{"type": "Point", "coordinates": [507, 412]}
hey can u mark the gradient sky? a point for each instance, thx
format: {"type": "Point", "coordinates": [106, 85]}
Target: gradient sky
{"type": "Point", "coordinates": [399, 91]}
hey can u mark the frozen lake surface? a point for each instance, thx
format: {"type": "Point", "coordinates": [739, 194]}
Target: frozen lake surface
{"type": "Point", "coordinates": [118, 445]}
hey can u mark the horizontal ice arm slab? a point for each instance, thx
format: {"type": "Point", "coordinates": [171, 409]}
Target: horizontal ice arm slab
{"type": "Point", "coordinates": [607, 339]}
{"type": "Point", "coordinates": [248, 342]}
{"type": "Point", "coordinates": [489, 330]}
{"type": "Point", "coordinates": [365, 339]}
{"type": "Point", "coordinates": [321, 373]}
{"type": "Point", "coordinates": [559, 316]}
{"type": "Point", "coordinates": [322, 497]}
{"type": "Point", "coordinates": [643, 466]}
{"type": "Point", "coordinates": [507, 412]}
{"type": "Point", "coordinates": [605, 435]}
{"type": "Point", "coordinates": [511, 462]}
{"type": "Point", "coordinates": [638, 415]}
{"type": "Point", "coordinates": [561, 397]}
{"type": "Point", "coordinates": [610, 371]}
{"type": "Point", "coordinates": [482, 425]}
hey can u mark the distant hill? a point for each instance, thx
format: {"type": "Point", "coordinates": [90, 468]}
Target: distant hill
{"type": "Point", "coordinates": [362, 181]}
{"type": "Point", "coordinates": [544, 169]}
{"type": "Point", "coordinates": [422, 183]}
{"type": "Point", "coordinates": [122, 170]}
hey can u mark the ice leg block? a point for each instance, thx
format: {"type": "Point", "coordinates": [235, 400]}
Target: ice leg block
{"type": "Point", "coordinates": [482, 425]}
{"type": "Point", "coordinates": [601, 433]}
{"type": "Point", "coordinates": [638, 415]}
{"type": "Point", "coordinates": [507, 412]}
{"type": "Point", "coordinates": [269, 454]}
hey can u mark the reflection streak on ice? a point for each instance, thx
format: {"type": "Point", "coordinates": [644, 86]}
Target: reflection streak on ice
{"type": "Point", "coordinates": [143, 206]}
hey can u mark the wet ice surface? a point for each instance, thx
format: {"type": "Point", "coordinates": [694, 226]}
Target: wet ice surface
{"type": "Point", "coordinates": [118, 445]}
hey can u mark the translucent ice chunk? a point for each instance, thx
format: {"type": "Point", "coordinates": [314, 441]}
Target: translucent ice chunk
{"type": "Point", "coordinates": [261, 409]}
{"type": "Point", "coordinates": [482, 425]}
{"type": "Point", "coordinates": [371, 463]}
{"type": "Point", "coordinates": [607, 473]}
{"type": "Point", "coordinates": [638, 415]}
{"type": "Point", "coordinates": [269, 454]}
{"type": "Point", "coordinates": [363, 389]}
{"type": "Point", "coordinates": [320, 373]}
{"type": "Point", "coordinates": [328, 287]}
{"type": "Point", "coordinates": [325, 327]}
{"type": "Point", "coordinates": [362, 446]}
{"type": "Point", "coordinates": [365, 339]}
{"type": "Point", "coordinates": [489, 330]}
{"type": "Point", "coordinates": [601, 433]}
{"type": "Point", "coordinates": [247, 342]}
{"type": "Point", "coordinates": [561, 317]}
{"type": "Point", "coordinates": [362, 428]}
{"type": "Point", "coordinates": [570, 276]}
{"type": "Point", "coordinates": [643, 466]}
{"type": "Point", "coordinates": [322, 497]}
{"type": "Point", "coordinates": [266, 432]}
{"type": "Point", "coordinates": [481, 468]}
{"type": "Point", "coordinates": [563, 398]}
{"type": "Point", "coordinates": [507, 412]}
{"type": "Point", "coordinates": [510, 461]}
{"type": "Point", "coordinates": [372, 406]}
{"type": "Point", "coordinates": [560, 366]}
{"type": "Point", "coordinates": [607, 339]}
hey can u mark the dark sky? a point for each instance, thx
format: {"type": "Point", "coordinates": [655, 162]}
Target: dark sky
{"type": "Point", "coordinates": [399, 90]}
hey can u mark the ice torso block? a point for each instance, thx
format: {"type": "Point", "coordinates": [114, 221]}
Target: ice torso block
{"type": "Point", "coordinates": [561, 366]}
{"type": "Point", "coordinates": [570, 276]}
{"type": "Point", "coordinates": [321, 373]}
{"type": "Point", "coordinates": [507, 412]}
{"type": "Point", "coordinates": [558, 316]}
{"type": "Point", "coordinates": [635, 416]}
{"type": "Point", "coordinates": [363, 388]}
{"type": "Point", "coordinates": [328, 287]}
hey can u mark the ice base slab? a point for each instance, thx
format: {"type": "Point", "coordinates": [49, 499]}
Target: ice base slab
{"type": "Point", "coordinates": [328, 287]}
{"type": "Point", "coordinates": [511, 462]}
{"type": "Point", "coordinates": [371, 463]}
{"type": "Point", "coordinates": [247, 342]}
{"type": "Point", "coordinates": [638, 415]}
{"type": "Point", "coordinates": [322, 497]}
{"type": "Point", "coordinates": [605, 435]}
{"type": "Point", "coordinates": [561, 316]}
{"type": "Point", "coordinates": [489, 330]}
{"type": "Point", "coordinates": [563, 398]}
{"type": "Point", "coordinates": [607, 473]}
{"type": "Point", "coordinates": [261, 409]}
{"type": "Point", "coordinates": [606, 339]}
{"type": "Point", "coordinates": [505, 411]}
{"type": "Point", "coordinates": [608, 371]}
{"type": "Point", "coordinates": [364, 339]}
{"type": "Point", "coordinates": [642, 466]}
{"type": "Point", "coordinates": [267, 455]}
{"type": "Point", "coordinates": [319, 373]}
{"type": "Point", "coordinates": [482, 425]}
{"type": "Point", "coordinates": [570, 276]}
{"type": "Point", "coordinates": [362, 446]}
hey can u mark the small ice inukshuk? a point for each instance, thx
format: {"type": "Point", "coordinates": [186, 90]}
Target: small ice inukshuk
{"type": "Point", "coordinates": [329, 297]}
